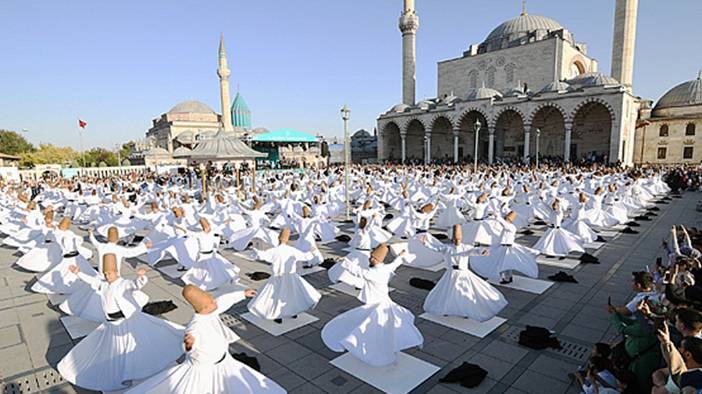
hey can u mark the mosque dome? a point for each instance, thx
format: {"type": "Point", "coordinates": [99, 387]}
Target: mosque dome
{"type": "Point", "coordinates": [516, 91]}
{"type": "Point", "coordinates": [482, 93]}
{"type": "Point", "coordinates": [593, 79]}
{"type": "Point", "coordinates": [686, 94]}
{"type": "Point", "coordinates": [523, 24]}
{"type": "Point", "coordinates": [555, 87]}
{"type": "Point", "coordinates": [449, 99]}
{"type": "Point", "coordinates": [181, 152]}
{"type": "Point", "coordinates": [241, 114]}
{"type": "Point", "coordinates": [400, 108]}
{"type": "Point", "coordinates": [191, 106]}
{"type": "Point", "coordinates": [521, 30]}
{"type": "Point", "coordinates": [426, 105]}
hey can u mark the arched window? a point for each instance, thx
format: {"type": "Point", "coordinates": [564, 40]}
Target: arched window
{"type": "Point", "coordinates": [491, 77]}
{"type": "Point", "coordinates": [663, 131]}
{"type": "Point", "coordinates": [473, 79]}
{"type": "Point", "coordinates": [690, 129]}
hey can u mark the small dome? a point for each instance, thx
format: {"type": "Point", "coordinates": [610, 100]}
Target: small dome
{"type": "Point", "coordinates": [181, 152]}
{"type": "Point", "coordinates": [186, 137]}
{"type": "Point", "coordinates": [449, 99]}
{"type": "Point", "coordinates": [683, 95]}
{"type": "Point", "coordinates": [555, 87]}
{"type": "Point", "coordinates": [516, 91]}
{"type": "Point", "coordinates": [482, 93]}
{"type": "Point", "coordinates": [157, 151]}
{"type": "Point", "coordinates": [400, 108]}
{"type": "Point", "coordinates": [593, 79]}
{"type": "Point", "coordinates": [426, 105]}
{"type": "Point", "coordinates": [187, 107]}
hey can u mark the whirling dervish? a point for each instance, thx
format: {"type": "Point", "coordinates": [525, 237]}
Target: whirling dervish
{"type": "Point", "coordinates": [376, 331]}
{"type": "Point", "coordinates": [460, 292]}
{"type": "Point", "coordinates": [286, 294]}
{"type": "Point", "coordinates": [130, 345]}
{"type": "Point", "coordinates": [208, 366]}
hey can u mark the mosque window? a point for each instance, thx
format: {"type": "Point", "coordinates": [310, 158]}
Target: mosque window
{"type": "Point", "coordinates": [662, 153]}
{"type": "Point", "coordinates": [690, 129]}
{"type": "Point", "coordinates": [509, 72]}
{"type": "Point", "coordinates": [473, 79]}
{"type": "Point", "coordinates": [663, 131]}
{"type": "Point", "coordinates": [491, 76]}
{"type": "Point", "coordinates": [687, 152]}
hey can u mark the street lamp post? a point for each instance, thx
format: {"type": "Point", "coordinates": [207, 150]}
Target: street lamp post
{"type": "Point", "coordinates": [475, 156]}
{"type": "Point", "coordinates": [538, 133]}
{"type": "Point", "coordinates": [345, 114]}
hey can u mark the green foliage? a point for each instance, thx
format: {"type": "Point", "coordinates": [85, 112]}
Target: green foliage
{"type": "Point", "coordinates": [101, 155]}
{"type": "Point", "coordinates": [12, 143]}
{"type": "Point", "coordinates": [48, 154]}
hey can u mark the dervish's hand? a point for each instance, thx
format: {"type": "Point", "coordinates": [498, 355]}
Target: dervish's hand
{"type": "Point", "coordinates": [189, 341]}
{"type": "Point", "coordinates": [485, 252]}
{"type": "Point", "coordinates": [148, 244]}
{"type": "Point", "coordinates": [74, 269]}
{"type": "Point", "coordinates": [250, 293]}
{"type": "Point", "coordinates": [404, 252]}
{"type": "Point", "coordinates": [141, 272]}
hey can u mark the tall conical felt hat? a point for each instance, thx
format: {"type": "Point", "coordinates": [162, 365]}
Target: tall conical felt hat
{"type": "Point", "coordinates": [198, 298]}
{"type": "Point", "coordinates": [284, 236]}
{"type": "Point", "coordinates": [582, 197]}
{"type": "Point", "coordinates": [112, 234]}
{"type": "Point", "coordinates": [109, 262]}
{"type": "Point", "coordinates": [511, 216]}
{"type": "Point", "coordinates": [367, 204]}
{"type": "Point", "coordinates": [65, 223]}
{"type": "Point", "coordinates": [380, 252]}
{"type": "Point", "coordinates": [427, 208]}
{"type": "Point", "coordinates": [483, 197]}
{"type": "Point", "coordinates": [204, 223]}
{"type": "Point", "coordinates": [306, 211]}
{"type": "Point", "coordinates": [457, 232]}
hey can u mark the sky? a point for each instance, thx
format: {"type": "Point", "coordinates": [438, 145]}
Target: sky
{"type": "Point", "coordinates": [120, 64]}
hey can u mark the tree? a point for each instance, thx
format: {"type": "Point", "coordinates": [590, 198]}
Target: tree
{"type": "Point", "coordinates": [12, 143]}
{"type": "Point", "coordinates": [48, 154]}
{"type": "Point", "coordinates": [99, 155]}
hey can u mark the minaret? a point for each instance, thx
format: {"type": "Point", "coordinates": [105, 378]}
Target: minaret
{"type": "Point", "coordinates": [624, 41]}
{"type": "Point", "coordinates": [409, 23]}
{"type": "Point", "coordinates": [223, 73]}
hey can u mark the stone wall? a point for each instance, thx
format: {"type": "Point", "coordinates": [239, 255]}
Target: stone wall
{"type": "Point", "coordinates": [649, 140]}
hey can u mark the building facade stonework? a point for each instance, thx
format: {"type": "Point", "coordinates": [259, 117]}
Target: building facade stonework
{"type": "Point", "coordinates": [528, 81]}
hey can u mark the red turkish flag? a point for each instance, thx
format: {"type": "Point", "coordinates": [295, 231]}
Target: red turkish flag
{"type": "Point", "coordinates": [82, 124]}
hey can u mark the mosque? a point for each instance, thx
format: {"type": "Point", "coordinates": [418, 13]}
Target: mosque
{"type": "Point", "coordinates": [530, 86]}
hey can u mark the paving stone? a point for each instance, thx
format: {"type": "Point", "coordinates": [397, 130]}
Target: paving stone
{"type": "Point", "coordinates": [504, 351]}
{"type": "Point", "coordinates": [311, 366]}
{"type": "Point", "coordinates": [535, 383]}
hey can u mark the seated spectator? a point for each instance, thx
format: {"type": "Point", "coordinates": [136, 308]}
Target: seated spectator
{"type": "Point", "coordinates": [685, 362]}
{"type": "Point", "coordinates": [643, 285]}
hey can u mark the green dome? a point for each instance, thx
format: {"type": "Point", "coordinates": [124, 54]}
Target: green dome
{"type": "Point", "coordinates": [241, 114]}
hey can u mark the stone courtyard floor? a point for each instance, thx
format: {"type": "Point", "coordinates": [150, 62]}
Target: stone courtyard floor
{"type": "Point", "coordinates": [33, 339]}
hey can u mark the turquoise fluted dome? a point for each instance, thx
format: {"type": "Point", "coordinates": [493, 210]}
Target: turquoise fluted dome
{"type": "Point", "coordinates": [241, 114]}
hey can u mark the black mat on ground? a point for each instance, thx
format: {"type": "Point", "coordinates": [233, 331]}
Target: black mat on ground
{"type": "Point", "coordinates": [561, 276]}
{"type": "Point", "coordinates": [327, 263]}
{"type": "Point", "coordinates": [589, 259]}
{"type": "Point", "coordinates": [600, 239]}
{"type": "Point", "coordinates": [538, 338]}
{"type": "Point", "coordinates": [258, 275]}
{"type": "Point", "coordinates": [629, 230]}
{"type": "Point", "coordinates": [440, 236]}
{"type": "Point", "coordinates": [643, 218]}
{"type": "Point", "coordinates": [388, 216]}
{"type": "Point", "coordinates": [540, 223]}
{"type": "Point", "coordinates": [244, 358]}
{"type": "Point", "coordinates": [633, 224]}
{"type": "Point", "coordinates": [467, 375]}
{"type": "Point", "coordinates": [157, 308]}
{"type": "Point", "coordinates": [343, 238]}
{"type": "Point", "coordinates": [527, 232]}
{"type": "Point", "coordinates": [655, 209]}
{"type": "Point", "coordinates": [423, 284]}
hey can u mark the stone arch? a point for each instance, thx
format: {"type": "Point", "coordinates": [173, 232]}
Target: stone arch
{"type": "Point", "coordinates": [589, 100]}
{"type": "Point", "coordinates": [442, 138]}
{"type": "Point", "coordinates": [508, 108]}
{"type": "Point", "coordinates": [542, 106]}
{"type": "Point", "coordinates": [509, 133]}
{"type": "Point", "coordinates": [392, 141]}
{"type": "Point", "coordinates": [466, 134]}
{"type": "Point", "coordinates": [550, 120]}
{"type": "Point", "coordinates": [414, 130]}
{"type": "Point", "coordinates": [592, 130]}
